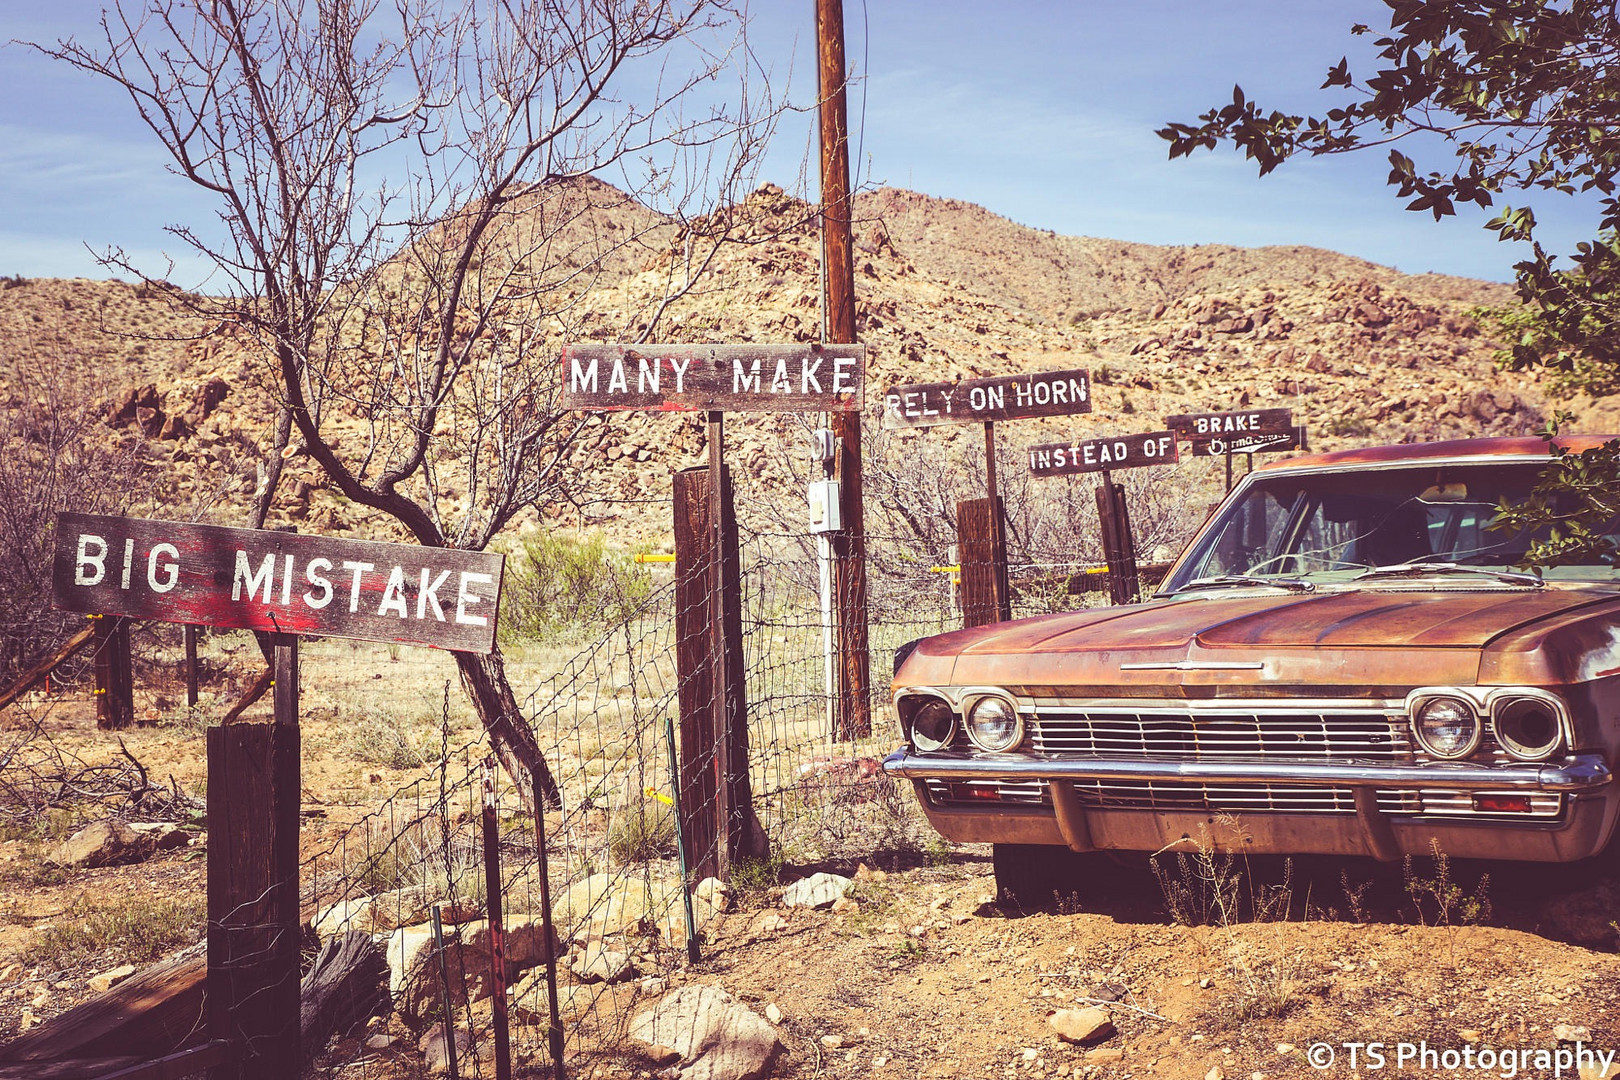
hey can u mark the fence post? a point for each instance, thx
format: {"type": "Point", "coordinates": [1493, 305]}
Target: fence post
{"type": "Point", "coordinates": [1119, 546]}
{"type": "Point", "coordinates": [985, 592]}
{"type": "Point", "coordinates": [699, 585]}
{"type": "Point", "coordinates": [190, 632]}
{"type": "Point", "coordinates": [115, 690]}
{"type": "Point", "coordinates": [554, 1031]}
{"type": "Point", "coordinates": [253, 977]}
{"type": "Point", "coordinates": [497, 926]}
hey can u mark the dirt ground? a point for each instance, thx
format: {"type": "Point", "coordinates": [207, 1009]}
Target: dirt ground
{"type": "Point", "coordinates": [921, 973]}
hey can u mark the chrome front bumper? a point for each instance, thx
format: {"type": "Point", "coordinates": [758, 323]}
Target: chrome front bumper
{"type": "Point", "coordinates": [1583, 772]}
{"type": "Point", "coordinates": [1583, 781]}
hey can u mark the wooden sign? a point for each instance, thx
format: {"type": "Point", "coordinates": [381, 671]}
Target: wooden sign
{"type": "Point", "coordinates": [722, 378]}
{"type": "Point", "coordinates": [1095, 455]}
{"type": "Point", "coordinates": [290, 583]}
{"type": "Point", "coordinates": [1006, 397]}
{"type": "Point", "coordinates": [1199, 427]}
{"type": "Point", "coordinates": [1257, 443]}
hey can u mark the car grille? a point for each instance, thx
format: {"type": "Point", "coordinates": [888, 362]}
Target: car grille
{"type": "Point", "coordinates": [1374, 734]}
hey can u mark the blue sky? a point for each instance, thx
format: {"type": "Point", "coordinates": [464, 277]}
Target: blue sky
{"type": "Point", "coordinates": [1041, 111]}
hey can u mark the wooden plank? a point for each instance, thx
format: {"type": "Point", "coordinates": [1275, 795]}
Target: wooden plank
{"type": "Point", "coordinates": [986, 597]}
{"type": "Point", "coordinates": [1095, 455]}
{"type": "Point", "coordinates": [811, 377]}
{"type": "Point", "coordinates": [1266, 442]}
{"type": "Point", "coordinates": [1005, 397]}
{"type": "Point", "coordinates": [38, 672]}
{"type": "Point", "coordinates": [154, 1012]}
{"type": "Point", "coordinates": [277, 582]}
{"type": "Point", "coordinates": [121, 691]}
{"type": "Point", "coordinates": [1198, 427]}
{"type": "Point", "coordinates": [253, 918]}
{"type": "Point", "coordinates": [1119, 546]}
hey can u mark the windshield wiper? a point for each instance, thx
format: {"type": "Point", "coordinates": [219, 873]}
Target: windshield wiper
{"type": "Point", "coordinates": [1439, 566]}
{"type": "Point", "coordinates": [1221, 581]}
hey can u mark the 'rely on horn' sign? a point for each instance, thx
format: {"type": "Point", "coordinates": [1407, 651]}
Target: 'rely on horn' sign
{"type": "Point", "coordinates": [1004, 397]}
{"type": "Point", "coordinates": [289, 583]}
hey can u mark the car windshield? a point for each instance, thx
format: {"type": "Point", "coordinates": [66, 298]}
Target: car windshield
{"type": "Point", "coordinates": [1326, 527]}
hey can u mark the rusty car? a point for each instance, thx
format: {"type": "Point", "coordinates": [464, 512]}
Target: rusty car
{"type": "Point", "coordinates": [1346, 659]}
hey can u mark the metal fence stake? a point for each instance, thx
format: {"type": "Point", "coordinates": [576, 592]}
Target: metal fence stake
{"type": "Point", "coordinates": [554, 1031]}
{"type": "Point", "coordinates": [680, 840]}
{"type": "Point", "coordinates": [497, 929]}
{"type": "Point", "coordinates": [449, 1008]}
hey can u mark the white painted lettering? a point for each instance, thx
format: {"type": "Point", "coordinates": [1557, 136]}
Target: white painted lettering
{"type": "Point", "coordinates": [742, 383]}
{"type": "Point", "coordinates": [173, 568]}
{"type": "Point", "coordinates": [679, 368]}
{"type": "Point", "coordinates": [314, 574]}
{"type": "Point", "coordinates": [977, 398]}
{"type": "Point", "coordinates": [1090, 450]}
{"type": "Point", "coordinates": [618, 382]}
{"type": "Point", "coordinates": [429, 594]}
{"type": "Point", "coordinates": [780, 383]}
{"type": "Point", "coordinates": [1077, 391]}
{"type": "Point", "coordinates": [843, 380]}
{"type": "Point", "coordinates": [807, 374]}
{"type": "Point", "coordinates": [394, 594]}
{"type": "Point", "coordinates": [997, 397]}
{"type": "Point", "coordinates": [129, 557]}
{"type": "Point", "coordinates": [1060, 393]}
{"type": "Point", "coordinates": [87, 558]}
{"type": "Point", "coordinates": [891, 404]}
{"type": "Point", "coordinates": [354, 587]}
{"type": "Point", "coordinates": [286, 582]}
{"type": "Point", "coordinates": [581, 378]}
{"type": "Point", "coordinates": [263, 578]}
{"type": "Point", "coordinates": [464, 598]}
{"type": "Point", "coordinates": [648, 376]}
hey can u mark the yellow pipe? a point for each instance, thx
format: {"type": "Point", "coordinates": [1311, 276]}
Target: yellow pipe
{"type": "Point", "coordinates": [653, 556]}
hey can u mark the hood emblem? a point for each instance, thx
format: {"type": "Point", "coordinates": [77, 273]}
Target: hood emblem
{"type": "Point", "coordinates": [1195, 665]}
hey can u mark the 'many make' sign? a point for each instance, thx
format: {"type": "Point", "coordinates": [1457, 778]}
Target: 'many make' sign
{"type": "Point", "coordinates": [721, 378]}
{"type": "Point", "coordinates": [1201, 427]}
{"type": "Point", "coordinates": [291, 583]}
{"type": "Point", "coordinates": [1096, 455]}
{"type": "Point", "coordinates": [1006, 397]}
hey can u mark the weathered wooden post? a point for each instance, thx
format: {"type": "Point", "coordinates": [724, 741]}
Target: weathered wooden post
{"type": "Point", "coordinates": [115, 676]}
{"type": "Point", "coordinates": [983, 560]}
{"type": "Point", "coordinates": [190, 632]}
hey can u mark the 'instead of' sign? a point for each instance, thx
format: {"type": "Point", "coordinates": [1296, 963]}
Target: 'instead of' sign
{"type": "Point", "coordinates": [1005, 397]}
{"type": "Point", "coordinates": [289, 583]}
{"type": "Point", "coordinates": [1095, 455]}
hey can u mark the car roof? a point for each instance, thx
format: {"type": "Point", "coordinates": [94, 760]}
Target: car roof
{"type": "Point", "coordinates": [1519, 447]}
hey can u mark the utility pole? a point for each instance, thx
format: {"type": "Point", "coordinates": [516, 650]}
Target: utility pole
{"type": "Point", "coordinates": [853, 717]}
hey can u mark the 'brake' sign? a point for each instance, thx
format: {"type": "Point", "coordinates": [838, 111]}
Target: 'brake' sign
{"type": "Point", "coordinates": [289, 583]}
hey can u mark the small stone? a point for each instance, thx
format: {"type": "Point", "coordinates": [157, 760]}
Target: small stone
{"type": "Point", "coordinates": [597, 964]}
{"type": "Point", "coordinates": [379, 1042]}
{"type": "Point", "coordinates": [1082, 1025]}
{"type": "Point", "coordinates": [1285, 1048]}
{"type": "Point", "coordinates": [1572, 1033]}
{"type": "Point", "coordinates": [773, 1013]}
{"type": "Point", "coordinates": [40, 999]}
{"type": "Point", "coordinates": [663, 1055]}
{"type": "Point", "coordinates": [716, 893]}
{"type": "Point", "coordinates": [1215, 1073]}
{"type": "Point", "coordinates": [436, 1048]}
{"type": "Point", "coordinates": [109, 979]}
{"type": "Point", "coordinates": [879, 1061]}
{"type": "Point", "coordinates": [28, 1021]}
{"type": "Point", "coordinates": [1204, 983]}
{"type": "Point", "coordinates": [1257, 1075]}
{"type": "Point", "coordinates": [1031, 1053]}
{"type": "Point", "coordinates": [9, 973]}
{"type": "Point", "coordinates": [1110, 991]}
{"type": "Point", "coordinates": [653, 985]}
{"type": "Point", "coordinates": [816, 891]}
{"type": "Point", "coordinates": [846, 905]}
{"type": "Point", "coordinates": [1470, 1035]}
{"type": "Point", "coordinates": [832, 1042]}
{"type": "Point", "coordinates": [1104, 1055]}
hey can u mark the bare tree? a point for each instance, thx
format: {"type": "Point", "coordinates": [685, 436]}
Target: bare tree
{"type": "Point", "coordinates": [409, 223]}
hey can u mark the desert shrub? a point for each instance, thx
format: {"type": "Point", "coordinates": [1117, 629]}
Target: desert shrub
{"type": "Point", "coordinates": [375, 737]}
{"type": "Point", "coordinates": [642, 834]}
{"type": "Point", "coordinates": [136, 928]}
{"type": "Point", "coordinates": [555, 583]}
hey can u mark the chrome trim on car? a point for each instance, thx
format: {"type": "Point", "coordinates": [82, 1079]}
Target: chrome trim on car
{"type": "Point", "coordinates": [1506, 695]}
{"type": "Point", "coordinates": [1196, 665]}
{"type": "Point", "coordinates": [1579, 773]}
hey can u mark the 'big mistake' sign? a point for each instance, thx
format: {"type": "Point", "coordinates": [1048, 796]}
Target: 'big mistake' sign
{"type": "Point", "coordinates": [1201, 427]}
{"type": "Point", "coordinates": [1006, 397]}
{"type": "Point", "coordinates": [1264, 442]}
{"type": "Point", "coordinates": [291, 583]}
{"type": "Point", "coordinates": [723, 378]}
{"type": "Point", "coordinates": [1095, 455]}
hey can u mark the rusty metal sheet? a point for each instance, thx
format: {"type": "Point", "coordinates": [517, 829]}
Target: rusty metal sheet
{"type": "Point", "coordinates": [1198, 427]}
{"type": "Point", "coordinates": [1005, 397]}
{"type": "Point", "coordinates": [723, 378]}
{"type": "Point", "coordinates": [292, 583]}
{"type": "Point", "coordinates": [1095, 455]}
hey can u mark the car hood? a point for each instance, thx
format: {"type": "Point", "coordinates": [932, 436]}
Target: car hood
{"type": "Point", "coordinates": [1263, 641]}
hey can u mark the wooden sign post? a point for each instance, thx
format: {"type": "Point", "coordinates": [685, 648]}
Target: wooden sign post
{"type": "Point", "coordinates": [286, 584]}
{"type": "Point", "coordinates": [715, 379]}
{"type": "Point", "coordinates": [982, 531]}
{"type": "Point", "coordinates": [1103, 455]}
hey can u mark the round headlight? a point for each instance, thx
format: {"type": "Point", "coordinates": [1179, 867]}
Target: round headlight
{"type": "Point", "coordinates": [994, 724]}
{"type": "Point", "coordinates": [1528, 728]}
{"type": "Point", "coordinates": [1446, 727]}
{"type": "Point", "coordinates": [932, 724]}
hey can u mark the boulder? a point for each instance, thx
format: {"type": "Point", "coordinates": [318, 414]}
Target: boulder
{"type": "Point", "coordinates": [103, 843]}
{"type": "Point", "coordinates": [816, 891]}
{"type": "Point", "coordinates": [596, 964]}
{"type": "Point", "coordinates": [435, 1048]}
{"type": "Point", "coordinates": [717, 1037]}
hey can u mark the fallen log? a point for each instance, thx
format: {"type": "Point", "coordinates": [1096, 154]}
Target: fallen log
{"type": "Point", "coordinates": [160, 1010]}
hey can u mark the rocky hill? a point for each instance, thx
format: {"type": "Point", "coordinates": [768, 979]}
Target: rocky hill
{"type": "Point", "coordinates": [946, 290]}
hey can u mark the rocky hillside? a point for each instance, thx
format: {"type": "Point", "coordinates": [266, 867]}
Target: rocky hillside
{"type": "Point", "coordinates": [946, 290]}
